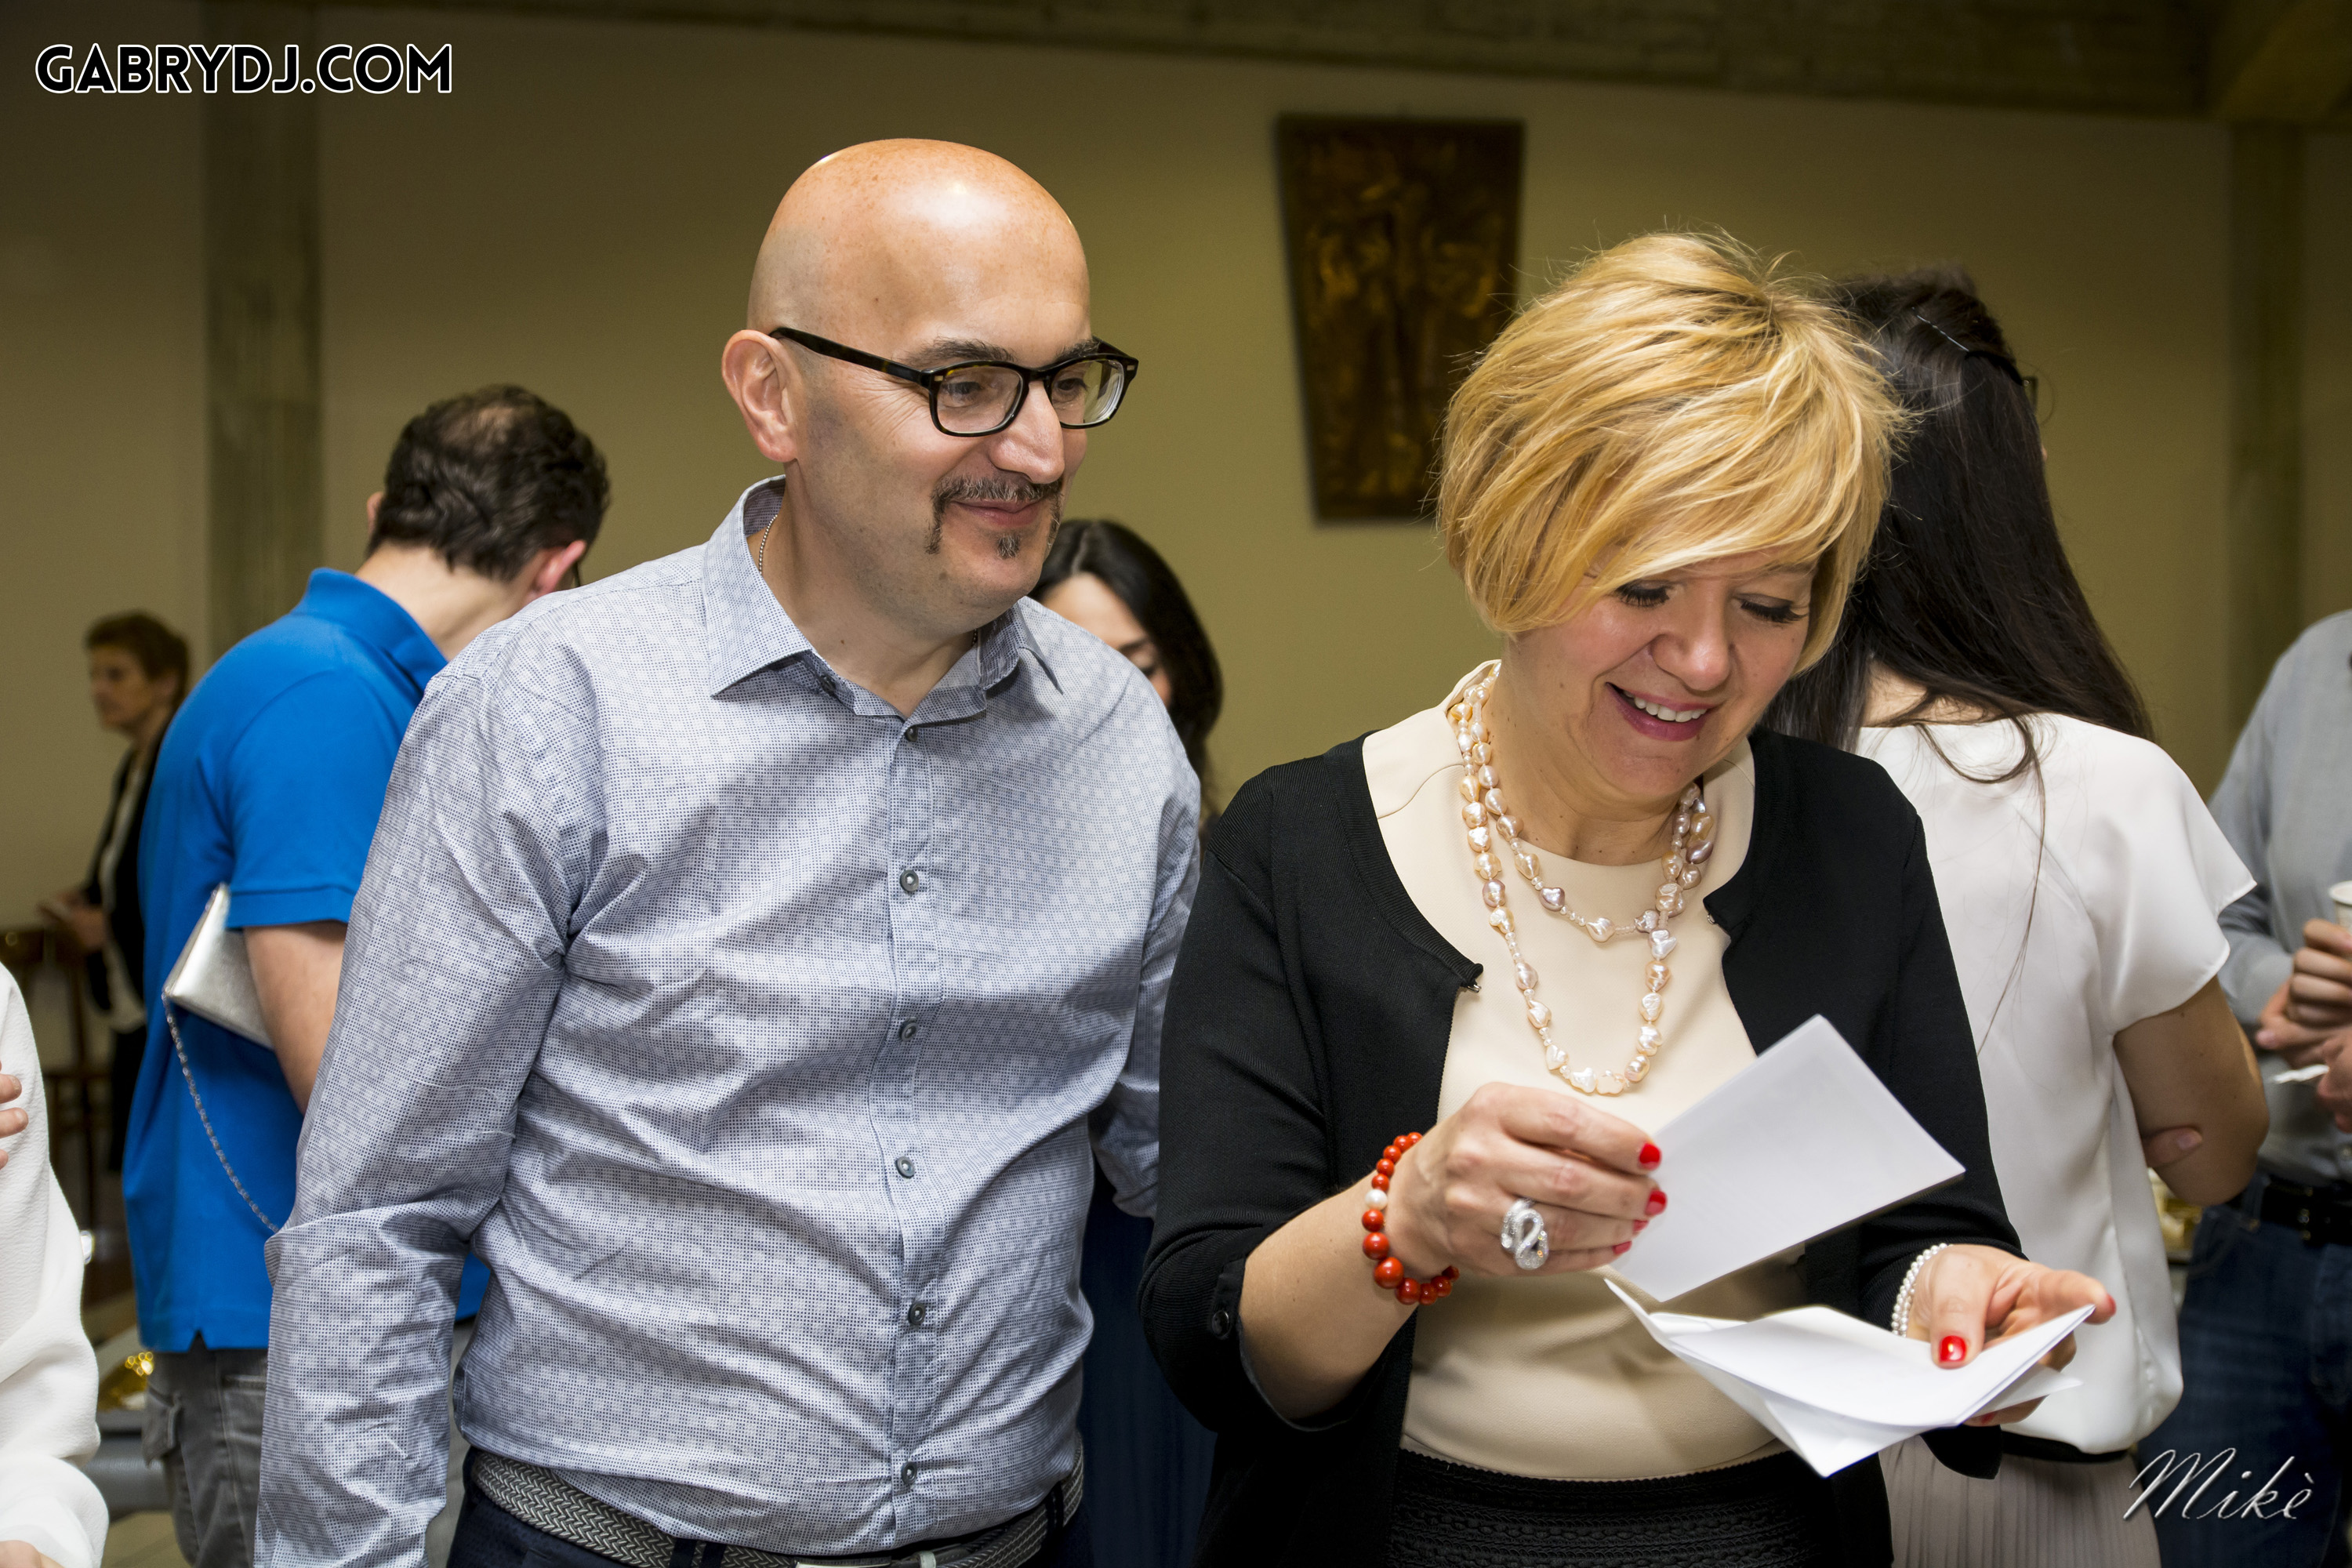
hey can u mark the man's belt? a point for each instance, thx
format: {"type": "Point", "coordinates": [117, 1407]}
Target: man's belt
{"type": "Point", "coordinates": [546, 1502]}
{"type": "Point", "coordinates": [2320, 1214]}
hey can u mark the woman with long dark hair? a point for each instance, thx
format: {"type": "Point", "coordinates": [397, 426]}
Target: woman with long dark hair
{"type": "Point", "coordinates": [2080, 876]}
{"type": "Point", "coordinates": [1146, 1460]}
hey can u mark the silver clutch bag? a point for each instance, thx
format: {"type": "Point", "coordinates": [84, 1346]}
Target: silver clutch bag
{"type": "Point", "coordinates": [214, 978]}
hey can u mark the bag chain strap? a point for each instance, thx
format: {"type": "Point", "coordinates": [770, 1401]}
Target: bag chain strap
{"type": "Point", "coordinates": [219, 1153]}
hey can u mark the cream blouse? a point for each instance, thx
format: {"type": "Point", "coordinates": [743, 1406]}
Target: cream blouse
{"type": "Point", "coordinates": [1551, 1377]}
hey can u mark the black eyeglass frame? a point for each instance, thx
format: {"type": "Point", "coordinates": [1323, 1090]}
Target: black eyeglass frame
{"type": "Point", "coordinates": [2030, 383]}
{"type": "Point", "coordinates": [931, 381]}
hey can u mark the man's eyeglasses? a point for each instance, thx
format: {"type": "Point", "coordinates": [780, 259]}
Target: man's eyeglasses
{"type": "Point", "coordinates": [982, 396]}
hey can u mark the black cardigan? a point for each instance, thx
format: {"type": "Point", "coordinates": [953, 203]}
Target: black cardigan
{"type": "Point", "coordinates": [1308, 1024]}
{"type": "Point", "coordinates": [128, 923]}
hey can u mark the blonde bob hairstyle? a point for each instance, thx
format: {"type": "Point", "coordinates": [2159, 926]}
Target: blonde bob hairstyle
{"type": "Point", "coordinates": [1673, 401]}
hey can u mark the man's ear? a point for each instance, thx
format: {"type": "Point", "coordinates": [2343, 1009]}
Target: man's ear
{"type": "Point", "coordinates": [753, 367]}
{"type": "Point", "coordinates": [546, 574]}
{"type": "Point", "coordinates": [374, 503]}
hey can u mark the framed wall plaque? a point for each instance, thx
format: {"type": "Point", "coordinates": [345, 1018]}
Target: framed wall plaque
{"type": "Point", "coordinates": [1404, 237]}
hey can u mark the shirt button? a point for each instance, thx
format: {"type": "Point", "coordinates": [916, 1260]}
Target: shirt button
{"type": "Point", "coordinates": [917, 1313]}
{"type": "Point", "coordinates": [909, 880]}
{"type": "Point", "coordinates": [907, 1474]}
{"type": "Point", "coordinates": [1220, 1324]}
{"type": "Point", "coordinates": [906, 1031]}
{"type": "Point", "coordinates": [906, 1166]}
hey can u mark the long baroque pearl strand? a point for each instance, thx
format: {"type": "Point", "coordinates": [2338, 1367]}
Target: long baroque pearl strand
{"type": "Point", "coordinates": [1492, 827]}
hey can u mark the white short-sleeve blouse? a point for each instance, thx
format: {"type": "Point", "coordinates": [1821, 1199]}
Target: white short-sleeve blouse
{"type": "Point", "coordinates": [2077, 903]}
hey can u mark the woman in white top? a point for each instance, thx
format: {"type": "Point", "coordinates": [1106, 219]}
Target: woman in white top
{"type": "Point", "coordinates": [50, 1514]}
{"type": "Point", "coordinates": [2080, 876]}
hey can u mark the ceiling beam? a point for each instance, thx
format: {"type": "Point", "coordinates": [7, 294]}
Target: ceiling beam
{"type": "Point", "coordinates": [2287, 62]}
{"type": "Point", "coordinates": [2137, 57]}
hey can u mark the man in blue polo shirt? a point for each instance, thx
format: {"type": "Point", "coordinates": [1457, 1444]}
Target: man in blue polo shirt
{"type": "Point", "coordinates": [270, 780]}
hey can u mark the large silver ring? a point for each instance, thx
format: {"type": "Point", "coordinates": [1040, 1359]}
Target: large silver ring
{"type": "Point", "coordinates": [1524, 1237]}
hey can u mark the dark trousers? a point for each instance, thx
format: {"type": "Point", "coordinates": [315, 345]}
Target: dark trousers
{"type": "Point", "coordinates": [2266, 1353]}
{"type": "Point", "coordinates": [1147, 1460]}
{"type": "Point", "coordinates": [490, 1537]}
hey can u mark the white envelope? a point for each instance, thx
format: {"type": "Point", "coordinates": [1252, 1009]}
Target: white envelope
{"type": "Point", "coordinates": [1836, 1390]}
{"type": "Point", "coordinates": [1800, 1142]}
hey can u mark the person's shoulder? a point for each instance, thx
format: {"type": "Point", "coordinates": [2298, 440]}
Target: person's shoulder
{"type": "Point", "coordinates": [1095, 690]}
{"type": "Point", "coordinates": [1304, 801]}
{"type": "Point", "coordinates": [1095, 676]}
{"type": "Point", "coordinates": [1825, 782]}
{"type": "Point", "coordinates": [2075, 752]}
{"type": "Point", "coordinates": [295, 664]}
{"type": "Point", "coordinates": [2324, 650]}
{"type": "Point", "coordinates": [290, 649]}
{"type": "Point", "coordinates": [551, 642]}
{"type": "Point", "coordinates": [2328, 638]}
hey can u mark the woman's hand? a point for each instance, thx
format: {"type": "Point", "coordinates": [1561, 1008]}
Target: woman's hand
{"type": "Point", "coordinates": [1583, 1168]}
{"type": "Point", "coordinates": [78, 915]}
{"type": "Point", "coordinates": [23, 1555]}
{"type": "Point", "coordinates": [1313, 1320]}
{"type": "Point", "coordinates": [1969, 1297]}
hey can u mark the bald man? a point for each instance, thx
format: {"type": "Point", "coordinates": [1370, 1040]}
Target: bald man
{"type": "Point", "coordinates": [759, 951]}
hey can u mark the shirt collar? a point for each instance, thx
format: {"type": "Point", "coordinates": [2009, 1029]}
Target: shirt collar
{"type": "Point", "coordinates": [374, 617]}
{"type": "Point", "coordinates": [748, 631]}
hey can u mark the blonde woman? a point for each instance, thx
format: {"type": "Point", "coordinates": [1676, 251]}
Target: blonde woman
{"type": "Point", "coordinates": [1473, 961]}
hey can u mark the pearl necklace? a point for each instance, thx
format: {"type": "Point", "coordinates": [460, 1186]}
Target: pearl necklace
{"type": "Point", "coordinates": [1485, 816]}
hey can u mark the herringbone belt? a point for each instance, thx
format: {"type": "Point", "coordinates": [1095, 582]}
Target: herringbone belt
{"type": "Point", "coordinates": [546, 1502]}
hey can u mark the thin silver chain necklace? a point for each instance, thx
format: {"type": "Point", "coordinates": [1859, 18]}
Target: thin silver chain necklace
{"type": "Point", "coordinates": [1492, 827]}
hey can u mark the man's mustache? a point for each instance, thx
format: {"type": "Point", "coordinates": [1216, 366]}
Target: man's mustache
{"type": "Point", "coordinates": [1000, 490]}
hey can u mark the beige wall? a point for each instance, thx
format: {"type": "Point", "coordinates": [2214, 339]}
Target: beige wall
{"type": "Point", "coordinates": [2327, 379]}
{"type": "Point", "coordinates": [581, 214]}
{"type": "Point", "coordinates": [101, 417]}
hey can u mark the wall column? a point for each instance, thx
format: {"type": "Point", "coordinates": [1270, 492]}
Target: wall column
{"type": "Point", "coordinates": [2264, 555]}
{"type": "Point", "coordinates": [261, 329]}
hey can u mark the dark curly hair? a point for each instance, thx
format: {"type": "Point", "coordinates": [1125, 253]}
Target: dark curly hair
{"type": "Point", "coordinates": [489, 480]}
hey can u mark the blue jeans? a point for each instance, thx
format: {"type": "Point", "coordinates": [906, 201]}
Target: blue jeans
{"type": "Point", "coordinates": [490, 1537]}
{"type": "Point", "coordinates": [2266, 1353]}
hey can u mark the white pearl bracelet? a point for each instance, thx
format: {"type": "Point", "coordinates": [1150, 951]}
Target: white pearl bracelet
{"type": "Point", "coordinates": [1902, 1324]}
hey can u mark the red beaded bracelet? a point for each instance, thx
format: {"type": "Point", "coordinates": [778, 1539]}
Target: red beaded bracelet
{"type": "Point", "coordinates": [1388, 1274]}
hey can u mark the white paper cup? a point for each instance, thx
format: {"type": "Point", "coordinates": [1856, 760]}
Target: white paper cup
{"type": "Point", "coordinates": [2342, 894]}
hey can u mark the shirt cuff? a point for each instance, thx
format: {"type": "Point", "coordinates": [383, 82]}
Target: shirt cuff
{"type": "Point", "coordinates": [2259, 977]}
{"type": "Point", "coordinates": [289, 906]}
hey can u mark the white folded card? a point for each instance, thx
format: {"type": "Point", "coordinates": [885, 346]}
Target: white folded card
{"type": "Point", "coordinates": [1836, 1390]}
{"type": "Point", "coordinates": [1803, 1141]}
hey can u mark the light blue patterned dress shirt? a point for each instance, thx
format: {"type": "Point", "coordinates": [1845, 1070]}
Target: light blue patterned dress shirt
{"type": "Point", "coordinates": [762, 1043]}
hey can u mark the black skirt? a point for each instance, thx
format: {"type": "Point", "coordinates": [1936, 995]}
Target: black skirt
{"type": "Point", "coordinates": [1771, 1513]}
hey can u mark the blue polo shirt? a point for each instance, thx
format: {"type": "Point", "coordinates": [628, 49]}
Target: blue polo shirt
{"type": "Point", "coordinates": [270, 779]}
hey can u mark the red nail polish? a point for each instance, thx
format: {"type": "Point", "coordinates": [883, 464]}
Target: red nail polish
{"type": "Point", "coordinates": [1952, 1350]}
{"type": "Point", "coordinates": [1657, 1201]}
{"type": "Point", "coordinates": [1640, 1225]}
{"type": "Point", "coordinates": [1622, 1248]}
{"type": "Point", "coordinates": [1649, 1157]}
